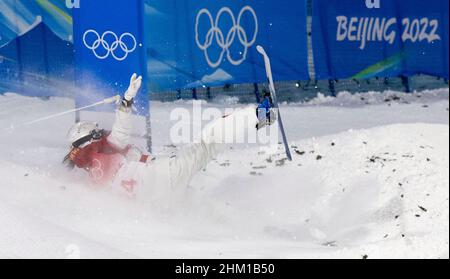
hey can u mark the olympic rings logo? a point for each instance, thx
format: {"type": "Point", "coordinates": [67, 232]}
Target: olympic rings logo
{"type": "Point", "coordinates": [224, 41]}
{"type": "Point", "coordinates": [110, 43]}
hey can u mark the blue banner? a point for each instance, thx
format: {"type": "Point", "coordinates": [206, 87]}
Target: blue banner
{"type": "Point", "coordinates": [194, 43]}
{"type": "Point", "coordinates": [368, 38]}
{"type": "Point", "coordinates": [36, 52]}
{"type": "Point", "coordinates": [110, 46]}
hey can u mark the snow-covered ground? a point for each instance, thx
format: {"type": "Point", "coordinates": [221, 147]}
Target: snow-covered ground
{"type": "Point", "coordinates": [370, 178]}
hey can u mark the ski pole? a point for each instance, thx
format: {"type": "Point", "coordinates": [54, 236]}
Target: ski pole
{"type": "Point", "coordinates": [110, 100]}
{"type": "Point", "coordinates": [105, 101]}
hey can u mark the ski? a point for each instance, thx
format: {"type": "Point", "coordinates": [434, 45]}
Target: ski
{"type": "Point", "coordinates": [274, 99]}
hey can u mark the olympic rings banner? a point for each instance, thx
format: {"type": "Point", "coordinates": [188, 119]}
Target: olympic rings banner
{"type": "Point", "coordinates": [368, 38]}
{"type": "Point", "coordinates": [109, 46]}
{"type": "Point", "coordinates": [195, 43]}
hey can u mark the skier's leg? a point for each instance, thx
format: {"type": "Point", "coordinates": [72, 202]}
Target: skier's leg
{"type": "Point", "coordinates": [215, 137]}
{"type": "Point", "coordinates": [189, 161]}
{"type": "Point", "coordinates": [234, 128]}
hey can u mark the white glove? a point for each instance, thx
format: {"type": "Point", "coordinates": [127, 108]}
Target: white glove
{"type": "Point", "coordinates": [135, 85]}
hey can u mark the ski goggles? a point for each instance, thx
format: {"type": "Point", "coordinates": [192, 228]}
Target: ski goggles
{"type": "Point", "coordinates": [93, 136]}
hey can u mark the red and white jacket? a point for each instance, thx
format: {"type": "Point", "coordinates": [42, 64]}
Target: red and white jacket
{"type": "Point", "coordinates": [105, 157]}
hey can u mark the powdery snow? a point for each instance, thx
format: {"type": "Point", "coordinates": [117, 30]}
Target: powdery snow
{"type": "Point", "coordinates": [369, 178]}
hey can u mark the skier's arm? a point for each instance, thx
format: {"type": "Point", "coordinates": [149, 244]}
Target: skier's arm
{"type": "Point", "coordinates": [122, 128]}
{"type": "Point", "coordinates": [121, 131]}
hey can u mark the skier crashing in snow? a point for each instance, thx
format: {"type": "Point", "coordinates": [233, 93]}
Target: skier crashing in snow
{"type": "Point", "coordinates": [109, 158]}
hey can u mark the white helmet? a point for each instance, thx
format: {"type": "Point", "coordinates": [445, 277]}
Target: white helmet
{"type": "Point", "coordinates": [83, 132]}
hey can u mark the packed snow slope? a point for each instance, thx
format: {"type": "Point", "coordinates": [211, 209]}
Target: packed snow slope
{"type": "Point", "coordinates": [370, 178]}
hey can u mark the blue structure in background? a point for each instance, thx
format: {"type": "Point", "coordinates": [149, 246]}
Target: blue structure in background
{"type": "Point", "coordinates": [36, 52]}
{"type": "Point", "coordinates": [109, 48]}
{"type": "Point", "coordinates": [203, 43]}
{"type": "Point", "coordinates": [195, 43]}
{"type": "Point", "coordinates": [37, 63]}
{"type": "Point", "coordinates": [16, 17]}
{"type": "Point", "coordinates": [364, 39]}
